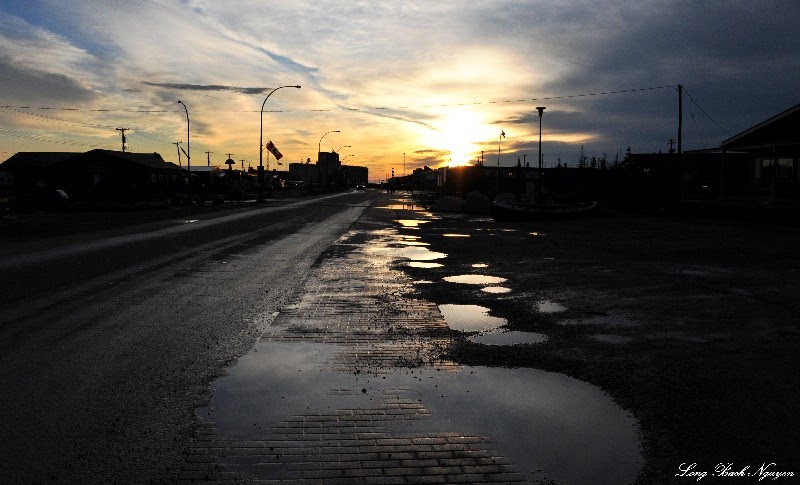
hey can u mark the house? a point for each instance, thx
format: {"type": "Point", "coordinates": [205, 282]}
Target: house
{"type": "Point", "coordinates": [112, 176]}
{"type": "Point", "coordinates": [30, 174]}
{"type": "Point", "coordinates": [774, 150]}
{"type": "Point", "coordinates": [96, 176]}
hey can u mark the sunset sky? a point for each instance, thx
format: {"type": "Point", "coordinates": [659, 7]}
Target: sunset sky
{"type": "Point", "coordinates": [436, 80]}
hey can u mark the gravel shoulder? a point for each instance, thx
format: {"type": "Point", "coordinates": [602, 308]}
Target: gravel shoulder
{"type": "Point", "coordinates": [689, 324]}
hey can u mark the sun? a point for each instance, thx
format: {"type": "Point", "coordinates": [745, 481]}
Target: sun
{"type": "Point", "coordinates": [459, 133]}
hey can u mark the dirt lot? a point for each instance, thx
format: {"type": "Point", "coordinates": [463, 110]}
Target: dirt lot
{"type": "Point", "coordinates": [690, 324]}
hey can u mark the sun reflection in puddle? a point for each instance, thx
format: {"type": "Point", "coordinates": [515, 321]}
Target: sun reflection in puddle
{"type": "Point", "coordinates": [475, 279]}
{"type": "Point", "coordinates": [509, 338]}
{"type": "Point", "coordinates": [470, 318]}
{"type": "Point", "coordinates": [480, 265]}
{"type": "Point", "coordinates": [415, 253]}
{"type": "Point", "coordinates": [419, 264]}
{"type": "Point", "coordinates": [449, 234]}
{"type": "Point", "coordinates": [411, 222]}
{"type": "Point", "coordinates": [496, 289]}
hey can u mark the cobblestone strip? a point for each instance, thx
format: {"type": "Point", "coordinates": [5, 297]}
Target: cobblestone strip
{"type": "Point", "coordinates": [354, 299]}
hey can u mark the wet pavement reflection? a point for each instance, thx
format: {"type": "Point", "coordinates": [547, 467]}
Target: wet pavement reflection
{"type": "Point", "coordinates": [470, 318]}
{"type": "Point", "coordinates": [348, 381]}
{"type": "Point", "coordinates": [475, 279]}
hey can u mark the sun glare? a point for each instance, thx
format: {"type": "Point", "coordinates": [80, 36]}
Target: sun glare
{"type": "Point", "coordinates": [459, 133]}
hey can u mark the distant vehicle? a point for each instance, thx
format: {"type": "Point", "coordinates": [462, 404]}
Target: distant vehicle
{"type": "Point", "coordinates": [360, 187]}
{"type": "Point", "coordinates": [296, 184]}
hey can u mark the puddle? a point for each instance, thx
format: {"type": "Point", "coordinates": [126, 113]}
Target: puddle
{"type": "Point", "coordinates": [190, 221]}
{"type": "Point", "coordinates": [509, 338]}
{"type": "Point", "coordinates": [611, 339]}
{"type": "Point", "coordinates": [414, 253]}
{"type": "Point", "coordinates": [411, 222]}
{"type": "Point", "coordinates": [419, 264]}
{"type": "Point", "coordinates": [422, 282]}
{"type": "Point", "coordinates": [496, 289]}
{"type": "Point", "coordinates": [455, 235]}
{"type": "Point", "coordinates": [547, 306]}
{"type": "Point", "coordinates": [605, 320]}
{"type": "Point", "coordinates": [407, 242]}
{"type": "Point", "coordinates": [410, 207]}
{"type": "Point", "coordinates": [536, 234]}
{"type": "Point", "coordinates": [475, 279]}
{"type": "Point", "coordinates": [480, 265]}
{"type": "Point", "coordinates": [539, 420]}
{"type": "Point", "coordinates": [470, 318]}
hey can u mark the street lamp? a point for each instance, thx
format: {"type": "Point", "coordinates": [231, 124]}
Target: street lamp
{"type": "Point", "coordinates": [261, 143]}
{"type": "Point", "coordinates": [188, 152]}
{"type": "Point", "coordinates": [540, 109]}
{"type": "Point", "coordinates": [344, 146]}
{"type": "Point", "coordinates": [319, 156]}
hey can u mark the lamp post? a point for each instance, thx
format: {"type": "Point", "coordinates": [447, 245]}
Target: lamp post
{"type": "Point", "coordinates": [343, 146]}
{"type": "Point", "coordinates": [540, 109]}
{"type": "Point", "coordinates": [319, 156]}
{"type": "Point", "coordinates": [188, 152]}
{"type": "Point", "coordinates": [261, 144]}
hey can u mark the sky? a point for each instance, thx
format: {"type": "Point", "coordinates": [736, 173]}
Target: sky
{"type": "Point", "coordinates": [405, 83]}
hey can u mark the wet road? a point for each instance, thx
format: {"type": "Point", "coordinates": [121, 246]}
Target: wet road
{"type": "Point", "coordinates": [108, 346]}
{"type": "Point", "coordinates": [349, 383]}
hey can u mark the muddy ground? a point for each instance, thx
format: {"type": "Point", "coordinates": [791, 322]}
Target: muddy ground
{"type": "Point", "coordinates": [690, 324]}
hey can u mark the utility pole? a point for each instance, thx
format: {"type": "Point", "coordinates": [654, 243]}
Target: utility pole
{"type": "Point", "coordinates": [122, 132]}
{"type": "Point", "coordinates": [540, 109]}
{"type": "Point", "coordinates": [671, 142]}
{"type": "Point", "coordinates": [208, 154]}
{"type": "Point", "coordinates": [680, 137]}
{"type": "Point", "coordinates": [178, 147]}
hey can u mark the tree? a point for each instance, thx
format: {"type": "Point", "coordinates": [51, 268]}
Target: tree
{"type": "Point", "coordinates": [593, 162]}
{"type": "Point", "coordinates": [603, 162]}
{"type": "Point", "coordinates": [582, 159]}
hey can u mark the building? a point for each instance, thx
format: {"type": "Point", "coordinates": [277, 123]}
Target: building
{"type": "Point", "coordinates": [95, 176]}
{"type": "Point", "coordinates": [330, 171]}
{"type": "Point", "coordinates": [354, 175]}
{"type": "Point", "coordinates": [773, 147]}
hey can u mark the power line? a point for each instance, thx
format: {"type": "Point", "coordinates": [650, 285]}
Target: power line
{"type": "Point", "coordinates": [704, 112]}
{"type": "Point", "coordinates": [348, 108]}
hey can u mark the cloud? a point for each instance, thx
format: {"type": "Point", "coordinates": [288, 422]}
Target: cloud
{"type": "Point", "coordinates": [25, 85]}
{"type": "Point", "coordinates": [207, 87]}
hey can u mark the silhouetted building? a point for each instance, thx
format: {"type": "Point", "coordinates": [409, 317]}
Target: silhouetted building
{"type": "Point", "coordinates": [774, 148]}
{"type": "Point", "coordinates": [329, 168]}
{"type": "Point", "coordinates": [95, 176]}
{"type": "Point", "coordinates": [354, 175]}
{"type": "Point", "coordinates": [329, 171]}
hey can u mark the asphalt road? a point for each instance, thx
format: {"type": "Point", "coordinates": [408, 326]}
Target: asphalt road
{"type": "Point", "coordinates": [108, 344]}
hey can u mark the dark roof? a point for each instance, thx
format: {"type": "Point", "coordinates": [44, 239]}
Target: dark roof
{"type": "Point", "coordinates": [152, 160]}
{"type": "Point", "coordinates": [781, 130]}
{"type": "Point", "coordinates": [36, 159]}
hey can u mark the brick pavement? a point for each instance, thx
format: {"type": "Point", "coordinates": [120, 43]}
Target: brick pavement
{"type": "Point", "coordinates": [355, 300]}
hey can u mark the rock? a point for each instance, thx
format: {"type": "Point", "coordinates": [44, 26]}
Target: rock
{"type": "Point", "coordinates": [476, 203]}
{"type": "Point", "coordinates": [506, 197]}
{"type": "Point", "coordinates": [448, 204]}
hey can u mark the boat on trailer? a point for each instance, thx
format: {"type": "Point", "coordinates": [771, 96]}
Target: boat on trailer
{"type": "Point", "coordinates": [505, 211]}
